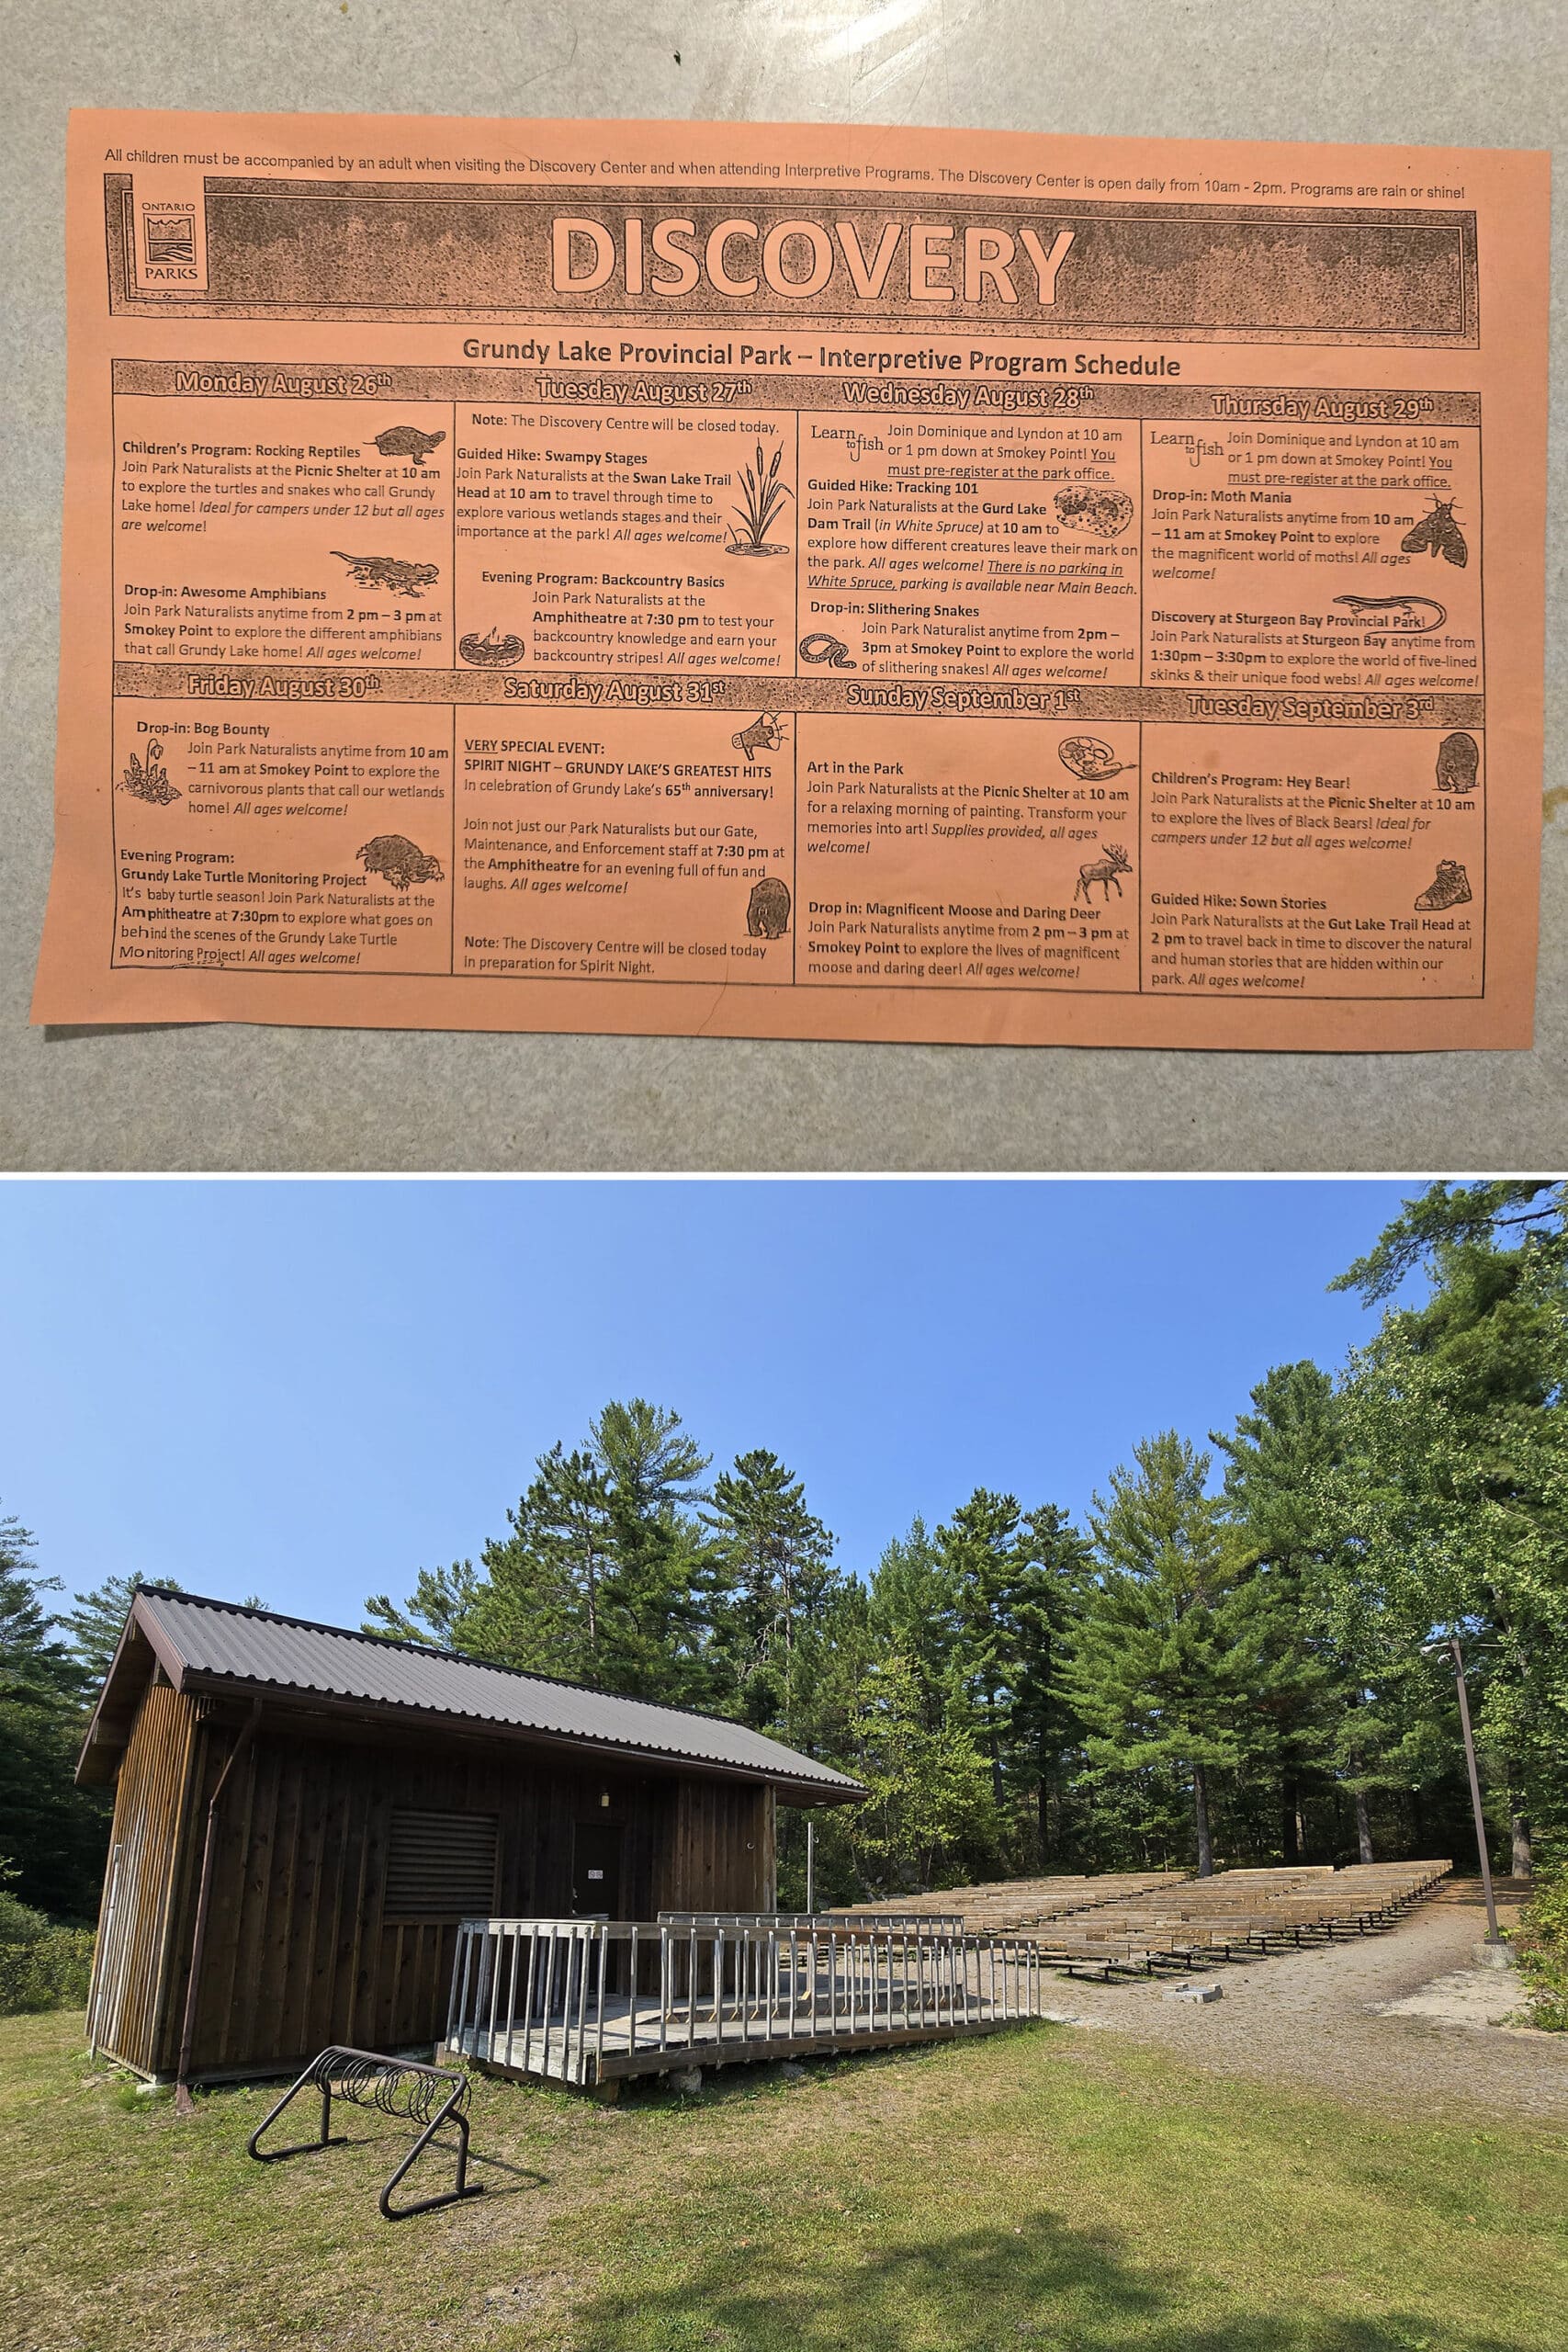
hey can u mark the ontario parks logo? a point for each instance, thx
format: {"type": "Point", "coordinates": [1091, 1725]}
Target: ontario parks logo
{"type": "Point", "coordinates": [168, 241]}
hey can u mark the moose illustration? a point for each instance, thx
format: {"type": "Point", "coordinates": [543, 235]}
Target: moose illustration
{"type": "Point", "coordinates": [1106, 869]}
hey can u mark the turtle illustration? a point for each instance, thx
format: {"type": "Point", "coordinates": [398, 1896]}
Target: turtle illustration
{"type": "Point", "coordinates": [399, 860]}
{"type": "Point", "coordinates": [408, 441]}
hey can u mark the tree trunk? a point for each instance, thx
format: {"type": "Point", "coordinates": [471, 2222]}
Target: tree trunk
{"type": "Point", "coordinates": [1201, 1817]}
{"type": "Point", "coordinates": [1290, 1843]}
{"type": "Point", "coordinates": [1363, 1827]}
{"type": "Point", "coordinates": [1518, 1821]}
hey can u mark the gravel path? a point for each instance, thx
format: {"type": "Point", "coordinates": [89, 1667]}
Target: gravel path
{"type": "Point", "coordinates": [1320, 2018]}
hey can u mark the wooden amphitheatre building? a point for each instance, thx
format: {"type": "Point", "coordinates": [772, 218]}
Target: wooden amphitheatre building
{"type": "Point", "coordinates": [303, 1816]}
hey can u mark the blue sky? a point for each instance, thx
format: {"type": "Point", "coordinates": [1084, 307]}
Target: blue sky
{"type": "Point", "coordinates": [310, 1390]}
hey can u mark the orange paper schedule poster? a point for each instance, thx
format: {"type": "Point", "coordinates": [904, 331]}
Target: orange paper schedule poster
{"type": "Point", "coordinates": [822, 582]}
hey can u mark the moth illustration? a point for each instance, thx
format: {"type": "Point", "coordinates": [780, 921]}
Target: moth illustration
{"type": "Point", "coordinates": [1438, 534]}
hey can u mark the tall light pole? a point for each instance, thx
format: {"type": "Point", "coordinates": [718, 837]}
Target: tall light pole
{"type": "Point", "coordinates": [1430, 1649]}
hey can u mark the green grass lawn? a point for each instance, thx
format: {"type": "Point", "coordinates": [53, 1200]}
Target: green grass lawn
{"type": "Point", "coordinates": [1045, 2189]}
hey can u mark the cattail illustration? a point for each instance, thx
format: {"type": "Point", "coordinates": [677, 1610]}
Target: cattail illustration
{"type": "Point", "coordinates": [763, 494]}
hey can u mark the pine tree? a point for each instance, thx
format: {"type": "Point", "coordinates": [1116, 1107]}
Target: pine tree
{"type": "Point", "coordinates": [437, 1612]}
{"type": "Point", "coordinates": [1051, 1584]}
{"type": "Point", "coordinates": [98, 1619]}
{"type": "Point", "coordinates": [541, 1606]}
{"type": "Point", "coordinates": [1172, 1650]}
{"type": "Point", "coordinates": [771, 1560]}
{"type": "Point", "coordinates": [927, 1812]}
{"type": "Point", "coordinates": [914, 1608]}
{"type": "Point", "coordinates": [1454, 1491]}
{"type": "Point", "coordinates": [1275, 1462]}
{"type": "Point", "coordinates": [1016, 1583]}
{"type": "Point", "coordinates": [51, 1833]}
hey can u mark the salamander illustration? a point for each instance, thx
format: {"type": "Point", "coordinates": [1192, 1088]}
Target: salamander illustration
{"type": "Point", "coordinates": [399, 860]}
{"type": "Point", "coordinates": [408, 441]}
{"type": "Point", "coordinates": [1404, 613]}
{"type": "Point", "coordinates": [390, 571]}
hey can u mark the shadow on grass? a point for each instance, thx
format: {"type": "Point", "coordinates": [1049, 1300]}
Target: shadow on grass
{"type": "Point", "coordinates": [1048, 2289]}
{"type": "Point", "coordinates": [498, 2177]}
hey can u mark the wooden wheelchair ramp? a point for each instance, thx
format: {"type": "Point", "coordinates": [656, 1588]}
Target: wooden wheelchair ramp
{"type": "Point", "coordinates": [589, 2001]}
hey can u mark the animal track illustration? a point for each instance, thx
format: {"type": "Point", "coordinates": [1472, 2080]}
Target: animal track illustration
{"type": "Point", "coordinates": [1105, 512]}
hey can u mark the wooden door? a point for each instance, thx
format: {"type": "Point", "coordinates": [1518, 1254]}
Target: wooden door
{"type": "Point", "coordinates": [597, 1869]}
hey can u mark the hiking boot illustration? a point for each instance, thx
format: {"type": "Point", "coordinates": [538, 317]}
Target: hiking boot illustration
{"type": "Point", "coordinates": [1449, 888]}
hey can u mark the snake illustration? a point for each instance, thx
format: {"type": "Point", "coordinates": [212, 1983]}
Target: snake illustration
{"type": "Point", "coordinates": [1409, 626]}
{"type": "Point", "coordinates": [821, 646]}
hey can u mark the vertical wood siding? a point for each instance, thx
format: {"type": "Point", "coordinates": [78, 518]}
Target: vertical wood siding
{"type": "Point", "coordinates": [297, 1952]}
{"type": "Point", "coordinates": [135, 1922]}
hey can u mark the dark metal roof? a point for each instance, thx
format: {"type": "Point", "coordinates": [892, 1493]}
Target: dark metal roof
{"type": "Point", "coordinates": [206, 1644]}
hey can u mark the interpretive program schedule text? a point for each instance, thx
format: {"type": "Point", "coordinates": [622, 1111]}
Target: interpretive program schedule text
{"type": "Point", "coordinates": [800, 583]}
{"type": "Point", "coordinates": [1074, 688]}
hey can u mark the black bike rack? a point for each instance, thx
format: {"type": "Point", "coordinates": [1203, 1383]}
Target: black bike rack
{"type": "Point", "coordinates": [430, 2096]}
